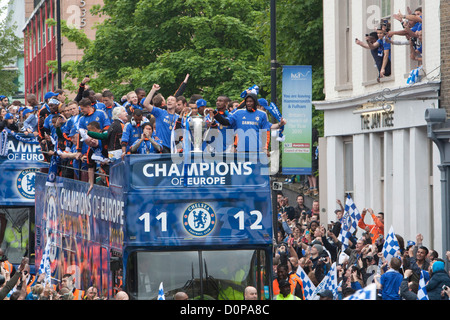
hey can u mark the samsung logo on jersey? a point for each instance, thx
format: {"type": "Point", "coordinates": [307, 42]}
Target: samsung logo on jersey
{"type": "Point", "coordinates": [251, 123]}
{"type": "Point", "coordinates": [198, 169]}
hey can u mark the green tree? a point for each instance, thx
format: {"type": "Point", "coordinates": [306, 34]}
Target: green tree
{"type": "Point", "coordinates": [10, 50]}
{"type": "Point", "coordinates": [153, 41]}
{"type": "Point", "coordinates": [299, 42]}
{"type": "Point", "coordinates": [223, 44]}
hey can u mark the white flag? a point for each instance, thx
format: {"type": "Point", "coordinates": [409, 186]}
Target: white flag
{"type": "Point", "coordinates": [308, 287]}
{"type": "Point", "coordinates": [45, 266]}
{"type": "Point", "coordinates": [391, 246]}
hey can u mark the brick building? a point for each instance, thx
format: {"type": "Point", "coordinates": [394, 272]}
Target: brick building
{"type": "Point", "coordinates": [40, 39]}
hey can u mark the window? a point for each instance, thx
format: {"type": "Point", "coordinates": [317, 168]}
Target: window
{"type": "Point", "coordinates": [386, 9]}
{"type": "Point", "coordinates": [344, 46]}
{"type": "Point", "coordinates": [377, 12]}
{"type": "Point", "coordinates": [382, 171]}
{"type": "Point", "coordinates": [221, 275]}
{"type": "Point", "coordinates": [411, 64]}
{"type": "Point", "coordinates": [17, 235]}
{"type": "Point", "coordinates": [348, 165]}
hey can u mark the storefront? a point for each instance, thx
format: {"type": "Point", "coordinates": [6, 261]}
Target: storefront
{"type": "Point", "coordinates": [377, 149]}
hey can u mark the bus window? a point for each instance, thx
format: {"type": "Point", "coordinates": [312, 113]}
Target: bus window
{"type": "Point", "coordinates": [15, 232]}
{"type": "Point", "coordinates": [206, 275]}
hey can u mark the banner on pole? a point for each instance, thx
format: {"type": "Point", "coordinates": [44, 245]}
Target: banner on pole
{"type": "Point", "coordinates": [297, 109]}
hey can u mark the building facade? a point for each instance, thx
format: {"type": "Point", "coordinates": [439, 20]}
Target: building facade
{"type": "Point", "coordinates": [376, 146]}
{"type": "Point", "coordinates": [40, 39]}
{"type": "Point", "coordinates": [16, 10]}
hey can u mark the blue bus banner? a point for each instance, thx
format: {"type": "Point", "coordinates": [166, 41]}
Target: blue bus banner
{"type": "Point", "coordinates": [213, 201]}
{"type": "Point", "coordinates": [20, 159]}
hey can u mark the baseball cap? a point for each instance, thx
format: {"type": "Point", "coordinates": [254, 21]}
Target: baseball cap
{"type": "Point", "coordinates": [26, 111]}
{"type": "Point", "coordinates": [263, 102]}
{"type": "Point", "coordinates": [326, 294]}
{"type": "Point", "coordinates": [49, 95]}
{"type": "Point", "coordinates": [201, 103]}
{"type": "Point", "coordinates": [8, 116]}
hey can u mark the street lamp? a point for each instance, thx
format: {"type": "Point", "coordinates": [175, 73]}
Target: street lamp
{"type": "Point", "coordinates": [273, 50]}
{"type": "Point", "coordinates": [58, 43]}
{"type": "Point", "coordinates": [438, 129]}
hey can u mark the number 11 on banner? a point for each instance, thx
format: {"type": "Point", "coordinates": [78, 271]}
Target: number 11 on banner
{"type": "Point", "coordinates": [162, 217]}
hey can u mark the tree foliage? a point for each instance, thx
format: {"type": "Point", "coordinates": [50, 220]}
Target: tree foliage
{"type": "Point", "coordinates": [306, 32]}
{"type": "Point", "coordinates": [10, 50]}
{"type": "Point", "coordinates": [223, 44]}
{"type": "Point", "coordinates": [151, 41]}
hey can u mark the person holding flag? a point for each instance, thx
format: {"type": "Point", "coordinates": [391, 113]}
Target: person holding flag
{"type": "Point", "coordinates": [391, 280]}
{"type": "Point", "coordinates": [14, 279]}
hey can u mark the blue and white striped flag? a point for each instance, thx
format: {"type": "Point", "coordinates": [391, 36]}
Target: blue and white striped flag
{"type": "Point", "coordinates": [161, 292]}
{"type": "Point", "coordinates": [349, 222]}
{"type": "Point", "coordinates": [45, 265]}
{"type": "Point", "coordinates": [367, 293]}
{"type": "Point", "coordinates": [422, 293]}
{"type": "Point", "coordinates": [329, 282]}
{"type": "Point", "coordinates": [4, 143]}
{"type": "Point", "coordinates": [390, 246]}
{"type": "Point", "coordinates": [308, 287]}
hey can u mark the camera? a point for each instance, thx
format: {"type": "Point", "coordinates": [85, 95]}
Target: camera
{"type": "Point", "coordinates": [277, 186]}
{"type": "Point", "coordinates": [444, 287]}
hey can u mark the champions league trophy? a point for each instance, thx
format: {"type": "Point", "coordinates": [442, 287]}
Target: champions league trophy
{"type": "Point", "coordinates": [197, 128]}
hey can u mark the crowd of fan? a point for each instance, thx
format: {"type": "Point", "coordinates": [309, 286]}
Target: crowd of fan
{"type": "Point", "coordinates": [303, 240]}
{"type": "Point", "coordinates": [86, 134]}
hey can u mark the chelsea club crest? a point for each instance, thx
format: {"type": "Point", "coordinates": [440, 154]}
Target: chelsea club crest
{"type": "Point", "coordinates": [25, 183]}
{"type": "Point", "coordinates": [199, 219]}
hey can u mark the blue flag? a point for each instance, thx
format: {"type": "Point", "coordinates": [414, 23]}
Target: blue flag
{"type": "Point", "coordinates": [366, 293]}
{"type": "Point", "coordinates": [422, 293]}
{"type": "Point", "coordinates": [253, 89]}
{"type": "Point", "coordinates": [161, 292]}
{"type": "Point", "coordinates": [308, 286]}
{"type": "Point", "coordinates": [391, 246]}
{"type": "Point", "coordinates": [45, 266]}
{"type": "Point", "coordinates": [52, 171]}
{"type": "Point", "coordinates": [349, 222]}
{"type": "Point", "coordinates": [329, 282]}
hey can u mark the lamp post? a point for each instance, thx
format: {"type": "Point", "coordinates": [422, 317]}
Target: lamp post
{"type": "Point", "coordinates": [58, 43]}
{"type": "Point", "coordinates": [273, 92]}
{"type": "Point", "coordinates": [273, 50]}
{"type": "Point", "coordinates": [438, 129]}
